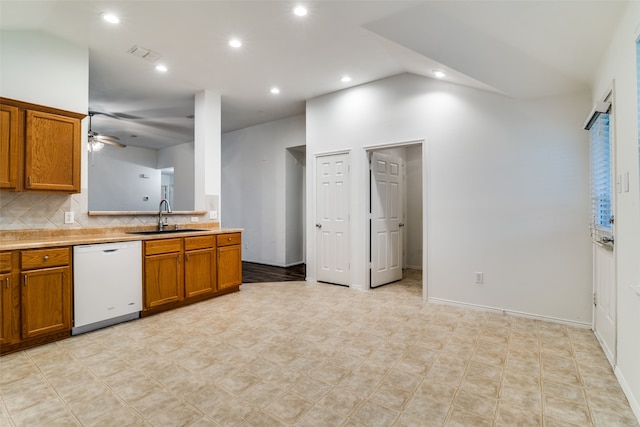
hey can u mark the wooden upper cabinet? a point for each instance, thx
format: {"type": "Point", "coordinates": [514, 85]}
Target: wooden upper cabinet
{"type": "Point", "coordinates": [9, 146]}
{"type": "Point", "coordinates": [40, 148]}
{"type": "Point", "coordinates": [52, 152]}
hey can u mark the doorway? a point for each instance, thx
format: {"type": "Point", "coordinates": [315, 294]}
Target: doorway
{"type": "Point", "coordinates": [295, 209]}
{"type": "Point", "coordinates": [408, 205]}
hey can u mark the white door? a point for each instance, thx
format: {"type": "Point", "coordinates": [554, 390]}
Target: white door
{"type": "Point", "coordinates": [603, 231]}
{"type": "Point", "coordinates": [387, 216]}
{"type": "Point", "coordinates": [604, 300]}
{"type": "Point", "coordinates": [332, 218]}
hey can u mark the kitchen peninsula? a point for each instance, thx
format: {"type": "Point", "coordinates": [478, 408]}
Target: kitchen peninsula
{"type": "Point", "coordinates": [180, 266]}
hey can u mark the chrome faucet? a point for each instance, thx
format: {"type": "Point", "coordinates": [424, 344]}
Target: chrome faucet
{"type": "Point", "coordinates": [161, 224]}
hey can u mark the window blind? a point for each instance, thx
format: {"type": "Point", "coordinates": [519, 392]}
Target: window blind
{"type": "Point", "coordinates": [600, 173]}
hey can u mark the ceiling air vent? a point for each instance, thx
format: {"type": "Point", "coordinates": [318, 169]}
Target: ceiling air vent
{"type": "Point", "coordinates": [146, 54]}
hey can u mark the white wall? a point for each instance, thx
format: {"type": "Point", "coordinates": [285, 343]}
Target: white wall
{"type": "Point", "coordinates": [180, 157]}
{"type": "Point", "coordinates": [44, 70]}
{"type": "Point", "coordinates": [115, 183]}
{"type": "Point", "coordinates": [254, 186]}
{"type": "Point", "coordinates": [507, 183]}
{"type": "Point", "coordinates": [619, 64]}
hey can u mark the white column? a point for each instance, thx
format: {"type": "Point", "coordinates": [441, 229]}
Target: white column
{"type": "Point", "coordinates": [207, 159]}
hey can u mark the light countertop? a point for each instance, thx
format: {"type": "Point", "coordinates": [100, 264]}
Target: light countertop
{"type": "Point", "coordinates": [32, 239]}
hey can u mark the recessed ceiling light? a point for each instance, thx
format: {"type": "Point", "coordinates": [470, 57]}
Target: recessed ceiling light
{"type": "Point", "coordinates": [162, 68]}
{"type": "Point", "coordinates": [113, 19]}
{"type": "Point", "coordinates": [300, 11]}
{"type": "Point", "coordinates": [275, 90]}
{"type": "Point", "coordinates": [345, 79]}
{"type": "Point", "coordinates": [439, 74]}
{"type": "Point", "coordinates": [235, 43]}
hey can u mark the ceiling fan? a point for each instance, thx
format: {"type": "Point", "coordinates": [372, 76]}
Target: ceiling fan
{"type": "Point", "coordinates": [97, 141]}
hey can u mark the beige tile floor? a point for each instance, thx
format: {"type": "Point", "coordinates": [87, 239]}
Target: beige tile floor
{"type": "Point", "coordinates": [309, 354]}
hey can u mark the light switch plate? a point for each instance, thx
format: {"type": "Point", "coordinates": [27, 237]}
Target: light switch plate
{"type": "Point", "coordinates": [69, 217]}
{"type": "Point", "coordinates": [213, 214]}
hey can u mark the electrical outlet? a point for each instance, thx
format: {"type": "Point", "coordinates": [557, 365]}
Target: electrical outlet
{"type": "Point", "coordinates": [479, 277]}
{"type": "Point", "coordinates": [69, 217]}
{"type": "Point", "coordinates": [213, 214]}
{"type": "Point", "coordinates": [195, 219]}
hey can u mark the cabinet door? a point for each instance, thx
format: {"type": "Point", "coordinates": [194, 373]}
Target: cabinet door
{"type": "Point", "coordinates": [229, 266]}
{"type": "Point", "coordinates": [200, 272]}
{"type": "Point", "coordinates": [163, 280]}
{"type": "Point", "coordinates": [6, 312]}
{"type": "Point", "coordinates": [9, 147]}
{"type": "Point", "coordinates": [46, 301]}
{"type": "Point", "coordinates": [52, 152]}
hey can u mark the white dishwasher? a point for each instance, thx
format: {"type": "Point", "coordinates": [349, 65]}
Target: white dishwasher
{"type": "Point", "coordinates": [107, 284]}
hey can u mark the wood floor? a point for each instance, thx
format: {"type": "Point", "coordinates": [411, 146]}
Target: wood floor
{"type": "Point", "coordinates": [257, 273]}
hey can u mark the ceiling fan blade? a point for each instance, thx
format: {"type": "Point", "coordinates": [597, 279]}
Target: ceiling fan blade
{"type": "Point", "coordinates": [114, 143]}
{"type": "Point", "coordinates": [106, 137]}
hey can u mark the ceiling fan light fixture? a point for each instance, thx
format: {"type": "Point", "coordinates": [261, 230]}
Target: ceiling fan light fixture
{"type": "Point", "coordinates": [300, 11]}
{"type": "Point", "coordinates": [111, 18]}
{"type": "Point", "coordinates": [95, 146]}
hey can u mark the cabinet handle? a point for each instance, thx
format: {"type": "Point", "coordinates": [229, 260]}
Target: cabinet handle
{"type": "Point", "coordinates": [45, 258]}
{"type": "Point", "coordinates": [25, 280]}
{"type": "Point", "coordinates": [229, 238]}
{"type": "Point", "coordinates": [7, 280]}
{"type": "Point", "coordinates": [29, 181]}
{"type": "Point", "coordinates": [186, 257]}
{"type": "Point", "coordinates": [178, 260]}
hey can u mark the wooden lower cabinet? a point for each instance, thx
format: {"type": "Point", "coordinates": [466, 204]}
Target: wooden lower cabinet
{"type": "Point", "coordinates": [8, 318]}
{"type": "Point", "coordinates": [229, 257]}
{"type": "Point", "coordinates": [36, 297]}
{"type": "Point", "coordinates": [163, 282]}
{"type": "Point", "coordinates": [180, 271]}
{"type": "Point", "coordinates": [46, 291]}
{"type": "Point", "coordinates": [46, 301]}
{"type": "Point", "coordinates": [199, 266]}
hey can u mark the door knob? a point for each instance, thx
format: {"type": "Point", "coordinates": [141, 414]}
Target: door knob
{"type": "Point", "coordinates": [318, 225]}
{"type": "Point", "coordinates": [401, 225]}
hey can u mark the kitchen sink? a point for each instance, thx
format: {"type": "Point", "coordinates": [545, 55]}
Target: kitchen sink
{"type": "Point", "coordinates": [172, 231]}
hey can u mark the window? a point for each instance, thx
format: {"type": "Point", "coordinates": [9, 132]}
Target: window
{"type": "Point", "coordinates": [600, 173]}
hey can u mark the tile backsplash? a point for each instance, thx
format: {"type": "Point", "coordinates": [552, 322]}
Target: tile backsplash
{"type": "Point", "coordinates": [22, 211]}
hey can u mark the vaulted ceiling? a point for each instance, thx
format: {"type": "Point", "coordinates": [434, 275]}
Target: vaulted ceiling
{"type": "Point", "coordinates": [521, 49]}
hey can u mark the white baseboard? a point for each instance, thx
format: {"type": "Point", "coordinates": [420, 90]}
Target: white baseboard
{"type": "Point", "coordinates": [413, 267]}
{"type": "Point", "coordinates": [633, 401]}
{"type": "Point", "coordinates": [510, 312]}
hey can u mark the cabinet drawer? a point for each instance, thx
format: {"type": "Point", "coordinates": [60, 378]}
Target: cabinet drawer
{"type": "Point", "coordinates": [198, 242]}
{"type": "Point", "coordinates": [229, 239]}
{"type": "Point", "coordinates": [165, 246]}
{"type": "Point", "coordinates": [5, 262]}
{"type": "Point", "coordinates": [45, 258]}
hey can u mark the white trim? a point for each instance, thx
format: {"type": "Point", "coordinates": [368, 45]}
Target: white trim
{"type": "Point", "coordinates": [633, 403]}
{"type": "Point", "coordinates": [584, 325]}
{"type": "Point", "coordinates": [332, 153]}
{"type": "Point", "coordinates": [394, 144]}
{"type": "Point", "coordinates": [426, 215]}
{"type": "Point", "coordinates": [413, 267]}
